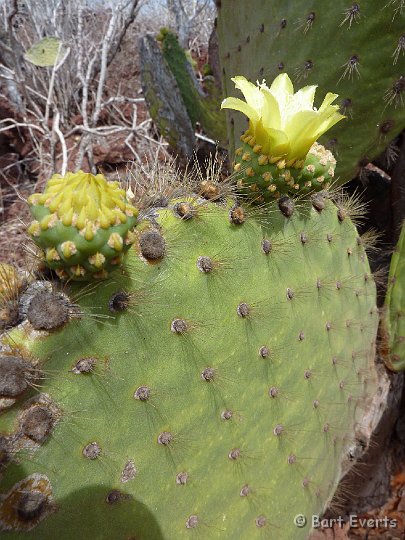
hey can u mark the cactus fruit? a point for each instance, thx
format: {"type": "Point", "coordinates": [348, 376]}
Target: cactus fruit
{"type": "Point", "coordinates": [279, 153]}
{"type": "Point", "coordinates": [209, 388]}
{"type": "Point", "coordinates": [328, 43]}
{"type": "Point", "coordinates": [393, 319]}
{"type": "Point", "coordinates": [83, 224]}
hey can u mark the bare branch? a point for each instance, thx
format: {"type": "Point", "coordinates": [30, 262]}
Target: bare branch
{"type": "Point", "coordinates": [128, 21]}
{"type": "Point", "coordinates": [57, 65]}
{"type": "Point", "coordinates": [62, 141]}
{"type": "Point", "coordinates": [75, 85]}
{"type": "Point", "coordinates": [122, 99]}
{"type": "Point", "coordinates": [104, 53]}
{"type": "Point", "coordinates": [19, 124]}
{"type": "Point", "coordinates": [199, 10]}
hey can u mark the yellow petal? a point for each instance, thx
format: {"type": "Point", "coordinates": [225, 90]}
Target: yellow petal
{"type": "Point", "coordinates": [327, 122]}
{"type": "Point", "coordinates": [270, 111]}
{"type": "Point", "coordinates": [239, 105]}
{"type": "Point", "coordinates": [282, 85]}
{"type": "Point", "coordinates": [328, 99]}
{"type": "Point", "coordinates": [283, 125]}
{"type": "Point", "coordinates": [250, 92]}
{"type": "Point", "coordinates": [301, 124]}
{"type": "Point", "coordinates": [301, 132]}
{"type": "Point", "coordinates": [282, 89]}
{"type": "Point", "coordinates": [273, 141]}
{"type": "Point", "coordinates": [304, 98]}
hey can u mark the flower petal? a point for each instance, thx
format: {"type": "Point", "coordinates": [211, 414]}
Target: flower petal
{"type": "Point", "coordinates": [301, 131]}
{"type": "Point", "coordinates": [328, 99]}
{"type": "Point", "coordinates": [327, 119]}
{"type": "Point", "coordinates": [282, 89]}
{"type": "Point", "coordinates": [250, 92]}
{"type": "Point", "coordinates": [304, 98]}
{"type": "Point", "coordinates": [282, 85]}
{"type": "Point", "coordinates": [270, 112]}
{"type": "Point", "coordinates": [239, 105]}
{"type": "Point", "coordinates": [274, 141]}
{"type": "Point", "coordinates": [283, 123]}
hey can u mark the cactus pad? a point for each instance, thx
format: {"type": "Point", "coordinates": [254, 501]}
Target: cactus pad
{"type": "Point", "coordinates": [393, 320]}
{"type": "Point", "coordinates": [210, 389]}
{"type": "Point", "coordinates": [355, 49]}
{"type": "Point", "coordinates": [83, 224]}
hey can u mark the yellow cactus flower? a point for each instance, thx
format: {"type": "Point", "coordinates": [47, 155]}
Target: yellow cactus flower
{"type": "Point", "coordinates": [284, 123]}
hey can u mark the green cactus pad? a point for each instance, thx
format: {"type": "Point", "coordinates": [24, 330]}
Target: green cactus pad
{"type": "Point", "coordinates": [83, 224]}
{"type": "Point", "coordinates": [263, 180]}
{"type": "Point", "coordinates": [354, 49]}
{"type": "Point", "coordinates": [393, 320]}
{"type": "Point", "coordinates": [216, 392]}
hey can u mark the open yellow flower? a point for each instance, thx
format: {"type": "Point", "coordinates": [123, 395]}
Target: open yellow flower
{"type": "Point", "coordinates": [284, 123]}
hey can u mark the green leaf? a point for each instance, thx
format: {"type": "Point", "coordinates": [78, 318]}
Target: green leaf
{"type": "Point", "coordinates": [46, 52]}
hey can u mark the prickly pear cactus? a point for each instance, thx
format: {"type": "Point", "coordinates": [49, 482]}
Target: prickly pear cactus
{"type": "Point", "coordinates": [83, 223]}
{"type": "Point", "coordinates": [326, 43]}
{"type": "Point", "coordinates": [393, 319]}
{"type": "Point", "coordinates": [208, 389]}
